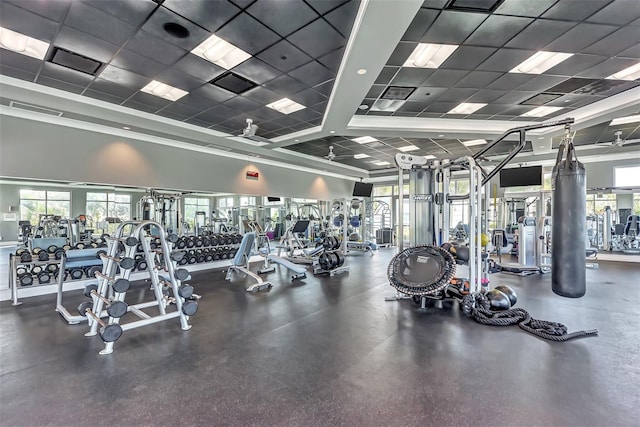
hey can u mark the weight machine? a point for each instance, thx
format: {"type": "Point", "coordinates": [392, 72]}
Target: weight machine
{"type": "Point", "coordinates": [164, 208]}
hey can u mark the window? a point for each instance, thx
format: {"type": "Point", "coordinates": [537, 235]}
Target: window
{"type": "Point", "coordinates": [627, 176]}
{"type": "Point", "coordinates": [596, 203]}
{"type": "Point", "coordinates": [636, 204]}
{"type": "Point", "coordinates": [102, 205]}
{"type": "Point", "coordinates": [225, 202]}
{"type": "Point", "coordinates": [34, 203]}
{"type": "Point", "coordinates": [247, 201]}
{"type": "Point", "coordinates": [382, 190]}
{"type": "Point", "coordinates": [193, 205]}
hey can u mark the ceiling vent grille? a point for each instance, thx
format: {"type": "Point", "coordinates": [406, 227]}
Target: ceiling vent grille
{"type": "Point", "coordinates": [487, 6]}
{"type": "Point", "coordinates": [35, 108]}
{"type": "Point", "coordinates": [233, 83]}
{"type": "Point", "coordinates": [75, 61]}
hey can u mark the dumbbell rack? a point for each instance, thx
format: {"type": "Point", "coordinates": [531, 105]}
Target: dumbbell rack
{"type": "Point", "coordinates": [333, 256]}
{"type": "Point", "coordinates": [14, 278]}
{"type": "Point", "coordinates": [108, 276]}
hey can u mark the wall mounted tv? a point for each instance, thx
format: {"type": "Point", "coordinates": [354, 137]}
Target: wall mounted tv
{"type": "Point", "coordinates": [273, 199]}
{"type": "Point", "coordinates": [361, 189]}
{"type": "Point", "coordinates": [521, 177]}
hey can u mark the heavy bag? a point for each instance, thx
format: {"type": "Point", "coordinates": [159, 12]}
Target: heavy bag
{"type": "Point", "coordinates": [568, 245]}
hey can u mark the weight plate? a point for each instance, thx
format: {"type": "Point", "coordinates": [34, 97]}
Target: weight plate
{"type": "Point", "coordinates": [190, 307]}
{"type": "Point", "coordinates": [172, 238]}
{"type": "Point", "coordinates": [26, 280]}
{"type": "Point", "coordinates": [185, 291]}
{"type": "Point", "coordinates": [88, 288]}
{"type": "Point", "coordinates": [111, 333]}
{"type": "Point", "coordinates": [43, 256]}
{"type": "Point", "coordinates": [181, 274]}
{"type": "Point", "coordinates": [117, 309]}
{"type": "Point", "coordinates": [52, 249]}
{"type": "Point", "coordinates": [127, 263]}
{"type": "Point", "coordinates": [82, 308]}
{"type": "Point", "coordinates": [44, 277]}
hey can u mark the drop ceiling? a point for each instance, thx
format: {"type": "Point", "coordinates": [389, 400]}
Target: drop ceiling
{"type": "Point", "coordinates": [309, 51]}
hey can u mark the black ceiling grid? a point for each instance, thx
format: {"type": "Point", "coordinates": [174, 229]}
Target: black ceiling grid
{"type": "Point", "coordinates": [129, 38]}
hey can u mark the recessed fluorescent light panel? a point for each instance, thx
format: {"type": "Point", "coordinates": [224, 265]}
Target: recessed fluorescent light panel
{"type": "Point", "coordinates": [429, 157]}
{"type": "Point", "coordinates": [220, 52]}
{"type": "Point", "coordinates": [540, 62]}
{"type": "Point", "coordinates": [428, 55]}
{"type": "Point", "coordinates": [408, 148]}
{"type": "Point", "coordinates": [286, 106]}
{"type": "Point", "coordinates": [20, 43]}
{"type": "Point", "coordinates": [164, 91]}
{"type": "Point", "coordinates": [364, 139]}
{"type": "Point", "coordinates": [387, 105]}
{"type": "Point", "coordinates": [625, 120]}
{"type": "Point", "coordinates": [361, 156]}
{"type": "Point", "coordinates": [467, 108]}
{"type": "Point", "coordinates": [541, 111]}
{"type": "Point", "coordinates": [473, 142]}
{"type": "Point", "coordinates": [380, 163]}
{"type": "Point", "coordinates": [630, 73]}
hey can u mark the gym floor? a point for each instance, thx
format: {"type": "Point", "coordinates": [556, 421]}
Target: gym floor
{"type": "Point", "coordinates": [330, 351]}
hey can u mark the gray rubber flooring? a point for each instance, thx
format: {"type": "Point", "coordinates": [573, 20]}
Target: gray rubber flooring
{"type": "Point", "coordinates": [330, 351]}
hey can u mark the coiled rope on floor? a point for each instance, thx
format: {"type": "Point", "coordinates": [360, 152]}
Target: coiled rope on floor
{"type": "Point", "coordinates": [478, 307]}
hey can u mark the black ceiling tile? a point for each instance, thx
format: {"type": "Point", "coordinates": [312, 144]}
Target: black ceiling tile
{"type": "Point", "coordinates": [235, 124]}
{"type": "Point", "coordinates": [124, 77]}
{"type": "Point", "coordinates": [54, 10]}
{"type": "Point", "coordinates": [99, 24]}
{"type": "Point", "coordinates": [317, 39]}
{"type": "Point", "coordinates": [616, 42]}
{"type": "Point", "coordinates": [453, 27]}
{"type": "Point", "coordinates": [107, 97]}
{"type": "Point", "coordinates": [282, 16]}
{"type": "Point", "coordinates": [115, 89]}
{"type": "Point", "coordinates": [243, 3]}
{"type": "Point", "coordinates": [324, 6]}
{"type": "Point", "coordinates": [456, 95]}
{"type": "Point", "coordinates": [179, 79]}
{"type": "Point", "coordinates": [210, 93]}
{"type": "Point", "coordinates": [27, 23]}
{"type": "Point", "coordinates": [151, 100]}
{"type": "Point", "coordinates": [509, 81]}
{"type": "Point", "coordinates": [420, 24]}
{"type": "Point", "coordinates": [568, 85]}
{"type": "Point", "coordinates": [320, 107]}
{"type": "Point", "coordinates": [540, 33]}
{"type": "Point", "coordinates": [145, 44]}
{"type": "Point", "coordinates": [325, 88]}
{"type": "Point", "coordinates": [400, 54]}
{"type": "Point", "coordinates": [305, 115]}
{"type": "Point", "coordinates": [264, 114]}
{"type": "Point", "coordinates": [139, 64]}
{"type": "Point", "coordinates": [426, 94]}
{"type": "Point", "coordinates": [430, 115]}
{"type": "Point", "coordinates": [285, 121]}
{"type": "Point", "coordinates": [206, 13]}
{"type": "Point", "coordinates": [607, 87]}
{"type": "Point", "coordinates": [375, 91]}
{"type": "Point", "coordinates": [183, 109]}
{"type": "Point", "coordinates": [541, 83]}
{"type": "Point", "coordinates": [524, 7]}
{"type": "Point", "coordinates": [519, 110]}
{"type": "Point", "coordinates": [573, 100]}
{"type": "Point", "coordinates": [632, 52]}
{"type": "Point", "coordinates": [57, 84]}
{"type": "Point", "coordinates": [576, 64]}
{"type": "Point", "coordinates": [300, 126]}
{"type": "Point", "coordinates": [16, 73]}
{"type": "Point", "coordinates": [574, 10]}
{"type": "Point", "coordinates": [496, 30]}
{"type": "Point", "coordinates": [486, 95]}
{"type": "Point", "coordinates": [285, 85]}
{"type": "Point", "coordinates": [284, 56]}
{"type": "Point", "coordinates": [386, 75]}
{"type": "Point", "coordinates": [619, 12]}
{"type": "Point", "coordinates": [199, 68]}
{"type": "Point", "coordinates": [505, 59]}
{"type": "Point", "coordinates": [579, 37]}
{"type": "Point", "coordinates": [445, 78]}
{"type": "Point", "coordinates": [198, 122]}
{"type": "Point", "coordinates": [468, 57]}
{"type": "Point", "coordinates": [312, 73]}
{"type": "Point", "coordinates": [19, 61]}
{"type": "Point", "coordinates": [308, 97]}
{"type": "Point", "coordinates": [413, 107]}
{"type": "Point", "coordinates": [171, 115]}
{"type": "Point", "coordinates": [441, 107]}
{"type": "Point", "coordinates": [478, 79]}
{"type": "Point", "coordinates": [84, 44]}
{"type": "Point", "coordinates": [342, 18]}
{"type": "Point", "coordinates": [242, 104]}
{"type": "Point", "coordinates": [332, 60]}
{"type": "Point", "coordinates": [248, 34]}
{"type": "Point", "coordinates": [133, 11]}
{"type": "Point", "coordinates": [514, 97]}
{"type": "Point", "coordinates": [541, 99]}
{"type": "Point", "coordinates": [267, 126]}
{"type": "Point", "coordinates": [222, 128]}
{"type": "Point", "coordinates": [256, 71]}
{"type": "Point", "coordinates": [411, 76]}
{"type": "Point", "coordinates": [262, 96]}
{"type": "Point", "coordinates": [65, 74]}
{"type": "Point", "coordinates": [316, 122]}
{"type": "Point", "coordinates": [608, 67]}
{"type": "Point", "coordinates": [217, 114]}
{"type": "Point", "coordinates": [156, 22]}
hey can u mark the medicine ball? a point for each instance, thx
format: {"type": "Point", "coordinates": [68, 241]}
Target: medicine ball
{"type": "Point", "coordinates": [497, 300]}
{"type": "Point", "coordinates": [509, 292]}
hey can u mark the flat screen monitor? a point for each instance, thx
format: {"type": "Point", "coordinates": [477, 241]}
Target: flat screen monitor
{"type": "Point", "coordinates": [273, 199]}
{"type": "Point", "coordinates": [521, 177]}
{"type": "Point", "coordinates": [361, 189]}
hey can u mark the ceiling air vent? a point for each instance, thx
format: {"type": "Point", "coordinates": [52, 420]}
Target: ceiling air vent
{"type": "Point", "coordinates": [233, 83]}
{"type": "Point", "coordinates": [541, 98]}
{"type": "Point", "coordinates": [35, 108]}
{"type": "Point", "coordinates": [75, 61]}
{"type": "Point", "coordinates": [397, 92]}
{"type": "Point", "coordinates": [487, 6]}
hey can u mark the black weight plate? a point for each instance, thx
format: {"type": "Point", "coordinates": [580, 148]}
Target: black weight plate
{"type": "Point", "coordinates": [185, 291]}
{"type": "Point", "coordinates": [76, 273]}
{"type": "Point", "coordinates": [121, 285]}
{"type": "Point", "coordinates": [131, 241]}
{"type": "Point", "coordinates": [59, 253]}
{"type": "Point", "coordinates": [82, 308]}
{"type": "Point", "coordinates": [181, 244]}
{"type": "Point", "coordinates": [191, 243]}
{"type": "Point", "coordinates": [26, 280]}
{"type": "Point", "coordinates": [192, 259]}
{"type": "Point", "coordinates": [52, 249]}
{"type": "Point", "coordinates": [26, 257]}
{"type": "Point", "coordinates": [181, 274]}
{"type": "Point", "coordinates": [88, 288]}
{"type": "Point", "coordinates": [52, 268]}
{"type": "Point", "coordinates": [127, 263]}
{"type": "Point", "coordinates": [142, 265]}
{"type": "Point", "coordinates": [44, 278]}
{"type": "Point", "coordinates": [325, 261]}
{"type": "Point", "coordinates": [91, 271]}
{"type": "Point", "coordinates": [190, 307]}
{"type": "Point", "coordinates": [111, 333]}
{"type": "Point", "coordinates": [198, 242]}
{"type": "Point", "coordinates": [117, 309]}
{"type": "Point", "coordinates": [36, 269]}
{"type": "Point", "coordinates": [200, 258]}
{"type": "Point", "coordinates": [214, 240]}
{"type": "Point", "coordinates": [208, 258]}
{"type": "Point", "coordinates": [183, 261]}
{"type": "Point", "coordinates": [43, 256]}
{"type": "Point", "coordinates": [206, 241]}
{"type": "Point", "coordinates": [172, 238]}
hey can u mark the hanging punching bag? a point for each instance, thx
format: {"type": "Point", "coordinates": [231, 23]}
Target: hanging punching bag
{"type": "Point", "coordinates": [568, 244]}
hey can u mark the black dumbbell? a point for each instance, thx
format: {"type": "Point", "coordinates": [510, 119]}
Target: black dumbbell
{"type": "Point", "coordinates": [108, 333]}
{"type": "Point", "coordinates": [190, 307]}
{"type": "Point", "coordinates": [76, 273]}
{"type": "Point", "coordinates": [43, 256]}
{"type": "Point", "coordinates": [52, 249]}
{"type": "Point", "coordinates": [25, 279]}
{"type": "Point", "coordinates": [182, 243]}
{"type": "Point", "coordinates": [185, 291]}
{"type": "Point", "coordinates": [206, 241]}
{"type": "Point", "coordinates": [26, 257]}
{"type": "Point", "coordinates": [191, 242]}
{"type": "Point", "coordinates": [181, 274]}
{"type": "Point", "coordinates": [59, 253]}
{"type": "Point", "coordinates": [198, 242]}
{"type": "Point", "coordinates": [44, 277]}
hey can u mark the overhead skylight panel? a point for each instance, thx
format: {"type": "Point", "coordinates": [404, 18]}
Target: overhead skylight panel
{"type": "Point", "coordinates": [540, 62]}
{"type": "Point", "coordinates": [429, 55]}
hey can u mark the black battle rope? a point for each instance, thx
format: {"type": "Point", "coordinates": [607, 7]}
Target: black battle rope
{"type": "Point", "coordinates": [478, 308]}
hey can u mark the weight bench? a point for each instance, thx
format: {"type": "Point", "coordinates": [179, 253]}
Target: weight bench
{"type": "Point", "coordinates": [299, 272]}
{"type": "Point", "coordinates": [240, 264]}
{"type": "Point", "coordinates": [310, 252]}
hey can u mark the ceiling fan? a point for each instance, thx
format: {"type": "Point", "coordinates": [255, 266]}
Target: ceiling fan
{"type": "Point", "coordinates": [332, 156]}
{"type": "Point", "coordinates": [619, 142]}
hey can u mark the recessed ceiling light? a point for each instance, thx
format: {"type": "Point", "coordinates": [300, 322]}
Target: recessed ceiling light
{"type": "Point", "coordinates": [364, 139]}
{"type": "Point", "coordinates": [629, 73]}
{"type": "Point", "coordinates": [361, 71]}
{"type": "Point", "coordinates": [363, 107]}
{"type": "Point", "coordinates": [473, 142]}
{"type": "Point", "coordinates": [408, 148]}
{"type": "Point", "coordinates": [126, 127]}
{"type": "Point", "coordinates": [440, 136]}
{"type": "Point", "coordinates": [429, 156]}
{"type": "Point", "coordinates": [467, 108]}
{"type": "Point", "coordinates": [541, 146]}
{"type": "Point", "coordinates": [380, 163]}
{"type": "Point", "coordinates": [542, 137]}
{"type": "Point", "coordinates": [220, 52]}
{"type": "Point", "coordinates": [361, 156]}
{"type": "Point", "coordinates": [625, 120]}
{"type": "Point", "coordinates": [286, 106]}
{"type": "Point", "coordinates": [540, 62]}
{"type": "Point", "coordinates": [20, 43]}
{"type": "Point", "coordinates": [388, 105]}
{"type": "Point", "coordinates": [164, 90]}
{"type": "Point", "coordinates": [428, 55]}
{"type": "Point", "coordinates": [567, 100]}
{"type": "Point", "coordinates": [541, 111]}
{"type": "Point", "coordinates": [332, 131]}
{"type": "Point", "coordinates": [296, 140]}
